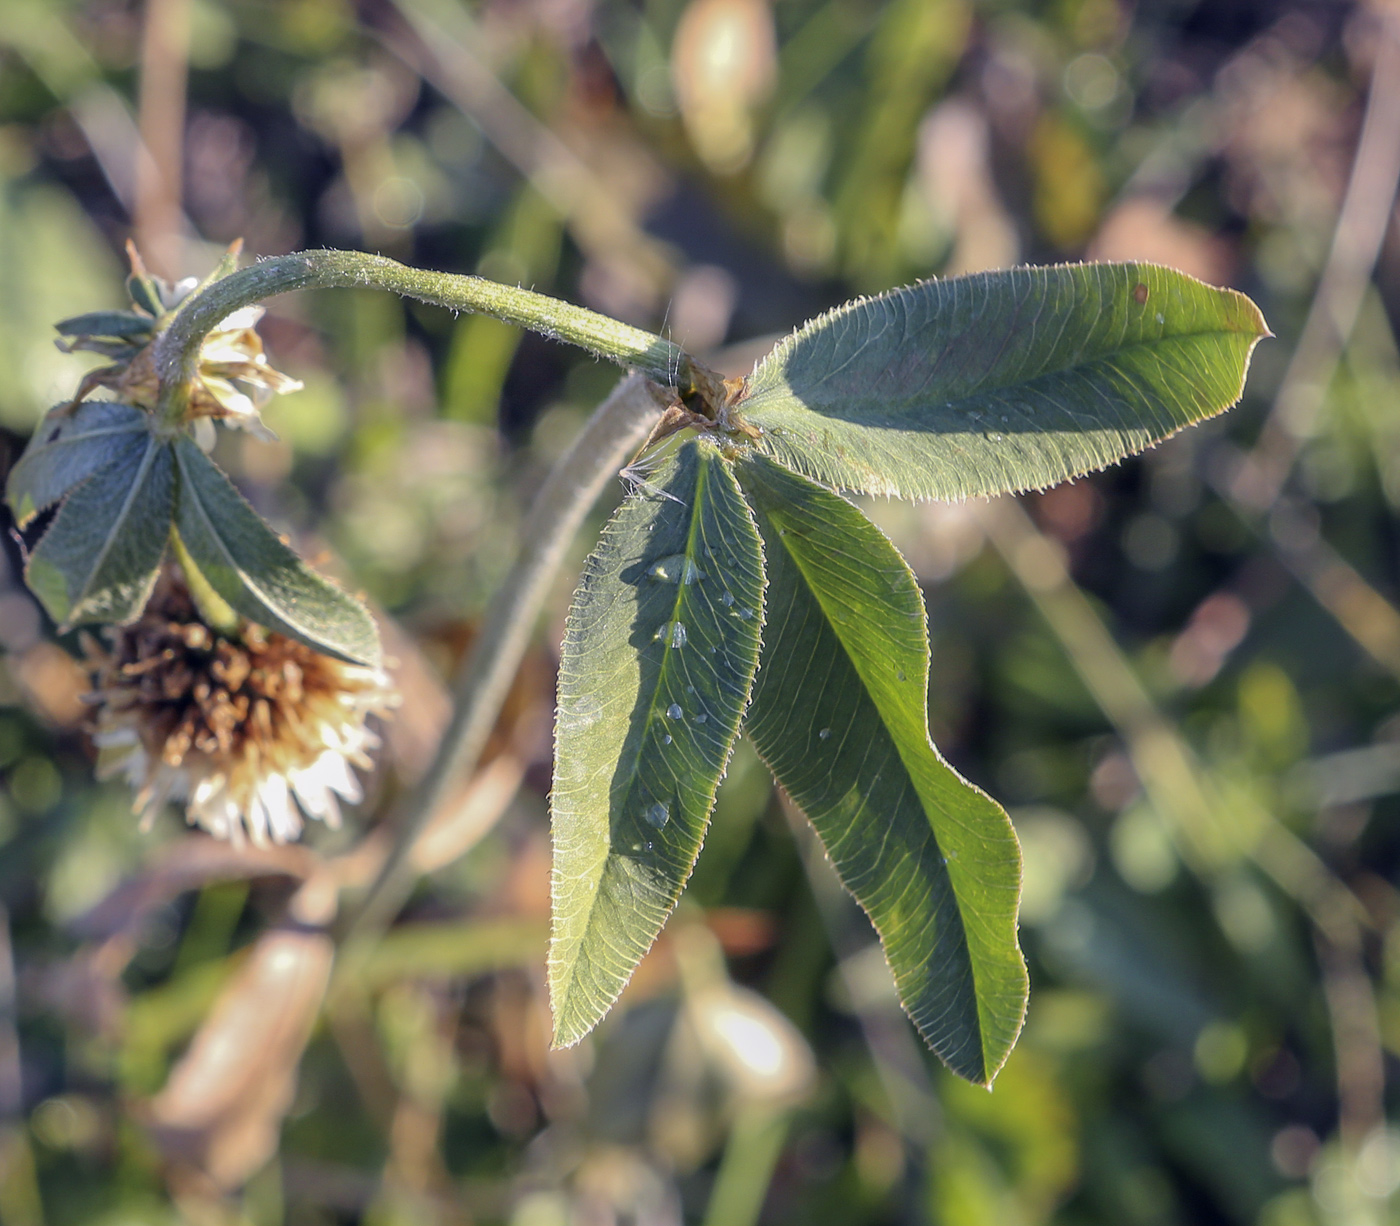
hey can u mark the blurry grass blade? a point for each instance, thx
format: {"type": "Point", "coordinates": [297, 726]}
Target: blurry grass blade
{"type": "Point", "coordinates": [839, 714]}
{"type": "Point", "coordinates": [1001, 381]}
{"type": "Point", "coordinates": [454, 951]}
{"type": "Point", "coordinates": [257, 574]}
{"type": "Point", "coordinates": [99, 558]}
{"type": "Point", "coordinates": [658, 659]}
{"type": "Point", "coordinates": [67, 448]}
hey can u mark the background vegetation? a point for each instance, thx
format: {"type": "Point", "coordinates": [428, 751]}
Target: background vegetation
{"type": "Point", "coordinates": [1181, 675]}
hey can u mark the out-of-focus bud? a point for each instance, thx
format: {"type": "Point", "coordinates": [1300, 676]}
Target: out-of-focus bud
{"type": "Point", "coordinates": [724, 62]}
{"type": "Point", "coordinates": [760, 1056]}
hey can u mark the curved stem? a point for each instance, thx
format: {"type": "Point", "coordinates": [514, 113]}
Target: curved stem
{"type": "Point", "coordinates": [177, 349]}
{"type": "Point", "coordinates": [615, 430]}
{"type": "Point", "coordinates": [215, 610]}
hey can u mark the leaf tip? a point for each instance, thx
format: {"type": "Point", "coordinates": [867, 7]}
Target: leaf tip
{"type": "Point", "coordinates": [569, 1028]}
{"type": "Point", "coordinates": [24, 510]}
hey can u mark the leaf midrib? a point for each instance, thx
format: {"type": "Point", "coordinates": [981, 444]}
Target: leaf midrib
{"type": "Point", "coordinates": [989, 387]}
{"type": "Point", "coordinates": [1041, 281]}
{"type": "Point", "coordinates": [67, 440]}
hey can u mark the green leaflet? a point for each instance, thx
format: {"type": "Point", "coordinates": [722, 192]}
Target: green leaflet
{"type": "Point", "coordinates": [1000, 381]}
{"type": "Point", "coordinates": [67, 448]}
{"type": "Point", "coordinates": [839, 713]}
{"type": "Point", "coordinates": [98, 559]}
{"type": "Point", "coordinates": [256, 573]}
{"type": "Point", "coordinates": [658, 659]}
{"type": "Point", "coordinates": [125, 324]}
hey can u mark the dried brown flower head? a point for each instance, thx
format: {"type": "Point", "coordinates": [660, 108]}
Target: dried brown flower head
{"type": "Point", "coordinates": [250, 732]}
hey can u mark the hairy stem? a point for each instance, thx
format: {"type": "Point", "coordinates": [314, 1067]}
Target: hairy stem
{"type": "Point", "coordinates": [177, 350]}
{"type": "Point", "coordinates": [614, 431]}
{"type": "Point", "coordinates": [216, 611]}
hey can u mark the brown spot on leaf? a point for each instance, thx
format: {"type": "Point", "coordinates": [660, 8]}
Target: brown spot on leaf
{"type": "Point", "coordinates": [1140, 293]}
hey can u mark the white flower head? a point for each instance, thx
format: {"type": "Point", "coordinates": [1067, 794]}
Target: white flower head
{"type": "Point", "coordinates": [252, 734]}
{"type": "Point", "coordinates": [233, 383]}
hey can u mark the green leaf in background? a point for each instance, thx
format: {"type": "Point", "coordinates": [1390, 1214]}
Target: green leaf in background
{"type": "Point", "coordinates": [839, 713]}
{"type": "Point", "coordinates": [69, 447]}
{"type": "Point", "coordinates": [1000, 381]}
{"type": "Point", "coordinates": [256, 573]}
{"type": "Point", "coordinates": [54, 263]}
{"type": "Point", "coordinates": [98, 559]}
{"type": "Point", "coordinates": [658, 660]}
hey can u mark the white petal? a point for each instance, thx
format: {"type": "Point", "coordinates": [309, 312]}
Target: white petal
{"type": "Point", "coordinates": [335, 773]}
{"type": "Point", "coordinates": [311, 791]}
{"type": "Point", "coordinates": [316, 798]}
{"type": "Point", "coordinates": [111, 738]}
{"type": "Point", "coordinates": [166, 785]}
{"type": "Point", "coordinates": [231, 398]}
{"type": "Point", "coordinates": [282, 818]}
{"type": "Point", "coordinates": [256, 427]}
{"type": "Point", "coordinates": [332, 814]}
{"type": "Point", "coordinates": [213, 809]}
{"type": "Point", "coordinates": [244, 317]}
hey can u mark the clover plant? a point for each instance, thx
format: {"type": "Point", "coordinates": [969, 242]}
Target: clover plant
{"type": "Point", "coordinates": [735, 590]}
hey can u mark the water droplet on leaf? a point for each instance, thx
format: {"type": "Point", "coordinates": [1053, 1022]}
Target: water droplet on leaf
{"type": "Point", "coordinates": [674, 710]}
{"type": "Point", "coordinates": [824, 733]}
{"type": "Point", "coordinates": [673, 634]}
{"type": "Point", "coordinates": [674, 568]}
{"type": "Point", "coordinates": [658, 815]}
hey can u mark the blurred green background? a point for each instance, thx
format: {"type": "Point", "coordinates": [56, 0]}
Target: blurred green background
{"type": "Point", "coordinates": [1181, 675]}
